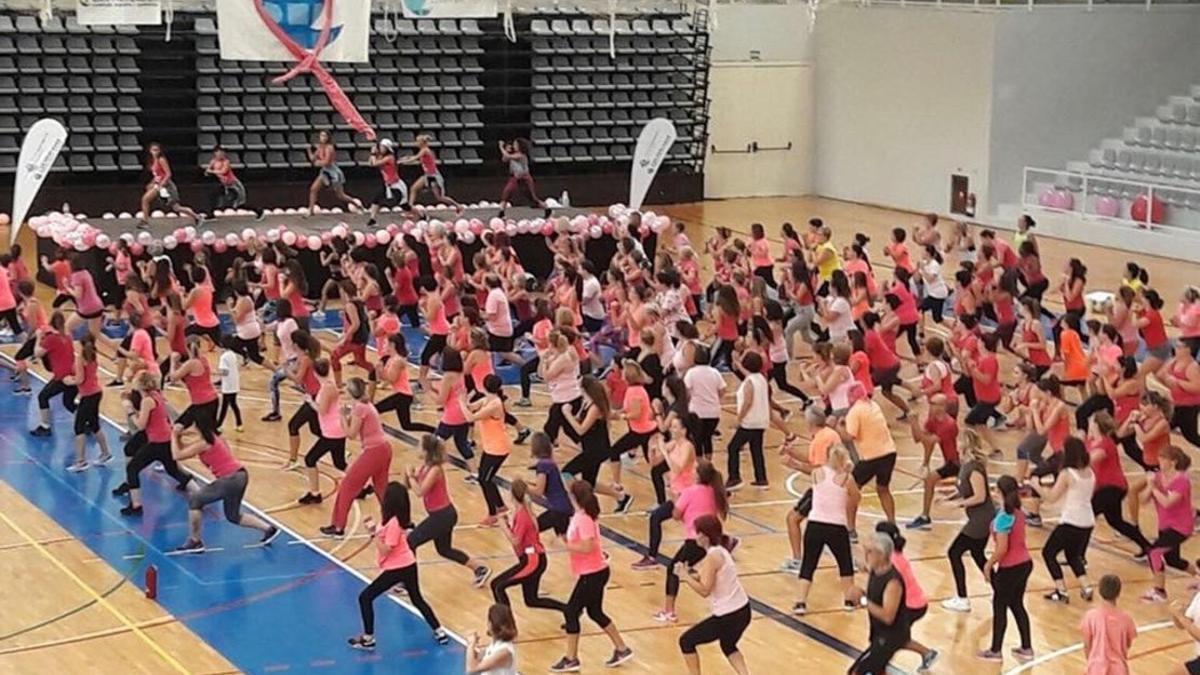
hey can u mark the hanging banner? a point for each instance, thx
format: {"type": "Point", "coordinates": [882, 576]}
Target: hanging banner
{"type": "Point", "coordinates": [119, 12]}
{"type": "Point", "coordinates": [653, 144]}
{"type": "Point", "coordinates": [41, 146]}
{"type": "Point", "coordinates": [450, 9]}
{"type": "Point", "coordinates": [244, 36]}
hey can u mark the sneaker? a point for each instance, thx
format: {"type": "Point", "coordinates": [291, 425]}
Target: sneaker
{"type": "Point", "coordinates": [957, 604]}
{"type": "Point", "coordinates": [78, 467]}
{"type": "Point", "coordinates": [618, 657]}
{"type": "Point", "coordinates": [800, 608]}
{"type": "Point", "coordinates": [332, 531]}
{"type": "Point", "coordinates": [441, 636]}
{"type": "Point", "coordinates": [1058, 596]}
{"type": "Point", "coordinates": [362, 642]}
{"type": "Point", "coordinates": [275, 417]}
{"type": "Point", "coordinates": [1033, 519]}
{"type": "Point", "coordinates": [131, 510]}
{"type": "Point", "coordinates": [790, 566]}
{"type": "Point", "coordinates": [624, 503]}
{"type": "Point", "coordinates": [191, 546]}
{"type": "Point", "coordinates": [663, 616]}
{"type": "Point", "coordinates": [853, 536]}
{"type": "Point", "coordinates": [989, 655]}
{"type": "Point", "coordinates": [645, 564]}
{"type": "Point", "coordinates": [760, 485]}
{"type": "Point", "coordinates": [23, 391]}
{"type": "Point", "coordinates": [116, 383]}
{"type": "Point", "coordinates": [238, 428]}
{"type": "Point", "coordinates": [269, 536]}
{"type": "Point", "coordinates": [482, 574]}
{"type": "Point", "coordinates": [1155, 595]}
{"type": "Point", "coordinates": [366, 492]}
{"type": "Point", "coordinates": [850, 605]}
{"type": "Point", "coordinates": [1086, 594]}
{"type": "Point", "coordinates": [523, 403]}
{"type": "Point", "coordinates": [927, 661]}
{"type": "Point", "coordinates": [522, 435]}
{"type": "Point", "coordinates": [919, 523]}
{"type": "Point", "coordinates": [733, 485]}
{"type": "Point", "coordinates": [121, 490]}
{"type": "Point", "coordinates": [489, 521]}
{"type": "Point", "coordinates": [102, 460]}
{"type": "Point", "coordinates": [291, 465]}
{"type": "Point", "coordinates": [1022, 654]}
{"type": "Point", "coordinates": [471, 478]}
{"type": "Point", "coordinates": [40, 432]}
{"type": "Point", "coordinates": [565, 665]}
{"type": "Point", "coordinates": [1140, 556]}
{"type": "Point", "coordinates": [310, 498]}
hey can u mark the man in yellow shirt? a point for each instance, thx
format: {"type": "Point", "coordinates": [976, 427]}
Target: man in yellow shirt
{"type": "Point", "coordinates": [867, 428]}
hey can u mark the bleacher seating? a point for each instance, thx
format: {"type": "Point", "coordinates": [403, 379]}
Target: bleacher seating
{"type": "Point", "coordinates": [84, 77]}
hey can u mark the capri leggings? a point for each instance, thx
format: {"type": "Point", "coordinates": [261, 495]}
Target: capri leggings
{"type": "Point", "coordinates": [54, 388]}
{"type": "Point", "coordinates": [726, 629]}
{"type": "Point", "coordinates": [142, 454]}
{"type": "Point", "coordinates": [1106, 501]}
{"type": "Point", "coordinates": [816, 537]}
{"type": "Point", "coordinates": [402, 404]}
{"type": "Point", "coordinates": [556, 420]}
{"type": "Point", "coordinates": [1165, 550]}
{"type": "Point", "coordinates": [324, 446]}
{"type": "Point", "coordinates": [406, 576]}
{"type": "Point", "coordinates": [461, 433]}
{"type": "Point", "coordinates": [304, 415]}
{"type": "Point", "coordinates": [629, 441]}
{"type": "Point", "coordinates": [588, 596]}
{"type": "Point", "coordinates": [1074, 542]}
{"type": "Point", "coordinates": [689, 553]}
{"type": "Point", "coordinates": [438, 527]}
{"type": "Point", "coordinates": [529, 580]}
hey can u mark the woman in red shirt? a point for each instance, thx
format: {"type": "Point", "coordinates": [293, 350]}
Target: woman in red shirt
{"type": "Point", "coordinates": [59, 352]}
{"type": "Point", "coordinates": [150, 443]}
{"type": "Point", "coordinates": [162, 188]}
{"type": "Point", "coordinates": [522, 532]}
{"type": "Point", "coordinates": [196, 374]}
{"type": "Point", "coordinates": [1072, 288]}
{"type": "Point", "coordinates": [1008, 571]}
{"type": "Point", "coordinates": [1111, 486]}
{"type": "Point", "coordinates": [905, 306]}
{"type": "Point", "coordinates": [87, 411]}
{"type": "Point", "coordinates": [1147, 310]}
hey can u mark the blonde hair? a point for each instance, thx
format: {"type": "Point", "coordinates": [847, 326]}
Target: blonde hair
{"type": "Point", "coordinates": [838, 457]}
{"type": "Point", "coordinates": [632, 370]}
{"type": "Point", "coordinates": [970, 445]}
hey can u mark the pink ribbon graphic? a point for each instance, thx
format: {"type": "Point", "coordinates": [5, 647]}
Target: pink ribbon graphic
{"type": "Point", "coordinates": [307, 62]}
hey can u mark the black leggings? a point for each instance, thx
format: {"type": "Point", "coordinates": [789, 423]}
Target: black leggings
{"type": "Point", "coordinates": [1008, 595]}
{"type": "Point", "coordinates": [229, 402]}
{"type": "Point", "coordinates": [816, 537]}
{"type": "Point", "coordinates": [689, 553]}
{"type": "Point", "coordinates": [964, 544]}
{"type": "Point", "coordinates": [1185, 420]}
{"type": "Point", "coordinates": [704, 444]}
{"type": "Point", "coordinates": [1071, 540]}
{"type": "Point", "coordinates": [407, 576]}
{"type": "Point", "coordinates": [726, 629]}
{"type": "Point", "coordinates": [438, 527]}
{"type": "Point", "coordinates": [661, 514]}
{"type": "Point", "coordinates": [304, 415]}
{"type": "Point", "coordinates": [1165, 549]}
{"type": "Point", "coordinates": [779, 376]}
{"type": "Point", "coordinates": [629, 441]}
{"type": "Point", "coordinates": [722, 351]}
{"type": "Point", "coordinates": [555, 419]}
{"type": "Point", "coordinates": [142, 453]}
{"type": "Point", "coordinates": [248, 348]}
{"type": "Point", "coordinates": [588, 596]}
{"type": "Point", "coordinates": [323, 446]}
{"type": "Point", "coordinates": [767, 274]}
{"type": "Point", "coordinates": [527, 372]}
{"type": "Point", "coordinates": [658, 477]}
{"type": "Point", "coordinates": [200, 415]}
{"type": "Point", "coordinates": [754, 437]}
{"type": "Point", "coordinates": [1106, 501]}
{"type": "Point", "coordinates": [14, 322]}
{"type": "Point", "coordinates": [54, 388]}
{"type": "Point", "coordinates": [402, 404]}
{"type": "Point", "coordinates": [910, 332]}
{"type": "Point", "coordinates": [1090, 406]}
{"type": "Point", "coordinates": [461, 433]}
{"type": "Point", "coordinates": [529, 584]}
{"type": "Point", "coordinates": [489, 467]}
{"type": "Point", "coordinates": [213, 332]}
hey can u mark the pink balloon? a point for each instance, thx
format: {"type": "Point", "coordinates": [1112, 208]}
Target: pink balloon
{"type": "Point", "coordinates": [547, 228]}
{"type": "Point", "coordinates": [300, 244]}
{"type": "Point", "coordinates": [326, 237]}
{"type": "Point", "coordinates": [607, 228]}
{"type": "Point", "coordinates": [180, 234]}
{"type": "Point", "coordinates": [393, 228]}
{"type": "Point", "coordinates": [241, 247]}
{"type": "Point", "coordinates": [593, 218]}
{"type": "Point", "coordinates": [1046, 197]}
{"type": "Point", "coordinates": [219, 246]}
{"type": "Point", "coordinates": [1107, 206]}
{"type": "Point", "coordinates": [369, 240]}
{"type": "Point", "coordinates": [112, 249]}
{"type": "Point", "coordinates": [197, 246]}
{"type": "Point", "coordinates": [136, 249]}
{"type": "Point", "coordinates": [314, 242]}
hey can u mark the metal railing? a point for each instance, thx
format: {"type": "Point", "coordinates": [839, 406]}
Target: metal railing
{"type": "Point", "coordinates": [1133, 203]}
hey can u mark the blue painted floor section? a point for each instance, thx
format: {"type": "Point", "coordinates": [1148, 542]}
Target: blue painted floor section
{"type": "Point", "coordinates": [281, 608]}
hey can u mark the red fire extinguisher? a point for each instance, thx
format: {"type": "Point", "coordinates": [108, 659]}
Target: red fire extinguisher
{"type": "Point", "coordinates": [152, 582]}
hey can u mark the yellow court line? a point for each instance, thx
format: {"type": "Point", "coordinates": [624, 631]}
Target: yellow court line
{"type": "Point", "coordinates": [96, 596]}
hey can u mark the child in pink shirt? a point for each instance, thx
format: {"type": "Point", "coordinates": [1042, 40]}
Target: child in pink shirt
{"type": "Point", "coordinates": [1108, 632]}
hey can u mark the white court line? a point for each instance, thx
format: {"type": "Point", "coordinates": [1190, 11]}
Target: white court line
{"type": "Point", "coordinates": [265, 516]}
{"type": "Point", "coordinates": [1050, 656]}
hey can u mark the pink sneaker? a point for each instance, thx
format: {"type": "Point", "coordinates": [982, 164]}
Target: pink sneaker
{"type": "Point", "coordinates": [1154, 595]}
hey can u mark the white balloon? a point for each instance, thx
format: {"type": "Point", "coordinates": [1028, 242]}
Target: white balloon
{"type": "Point", "coordinates": [339, 231]}
{"type": "Point", "coordinates": [169, 242]}
{"type": "Point", "coordinates": [124, 214]}
{"type": "Point", "coordinates": [497, 223]}
{"type": "Point", "coordinates": [208, 238]}
{"type": "Point", "coordinates": [156, 214]}
{"type": "Point", "coordinates": [289, 237]}
{"type": "Point", "coordinates": [43, 230]}
{"type": "Point", "coordinates": [314, 242]}
{"type": "Point", "coordinates": [292, 212]}
{"type": "Point", "coordinates": [383, 236]}
{"type": "Point", "coordinates": [144, 238]}
{"type": "Point", "coordinates": [79, 245]}
{"type": "Point", "coordinates": [127, 237]}
{"type": "Point", "coordinates": [467, 237]}
{"type": "Point", "coordinates": [273, 235]}
{"type": "Point", "coordinates": [336, 209]}
{"type": "Point", "coordinates": [359, 238]}
{"type": "Point", "coordinates": [103, 241]}
{"type": "Point", "coordinates": [249, 233]}
{"type": "Point", "coordinates": [594, 231]}
{"type": "Point", "coordinates": [231, 239]}
{"type": "Point", "coordinates": [190, 231]}
{"type": "Point", "coordinates": [108, 215]}
{"type": "Point", "coordinates": [510, 228]}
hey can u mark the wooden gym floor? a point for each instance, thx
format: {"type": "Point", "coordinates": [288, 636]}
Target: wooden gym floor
{"type": "Point", "coordinates": [60, 609]}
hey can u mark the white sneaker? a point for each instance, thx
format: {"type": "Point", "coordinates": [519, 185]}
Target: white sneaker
{"type": "Point", "coordinates": [790, 566]}
{"type": "Point", "coordinates": [957, 604]}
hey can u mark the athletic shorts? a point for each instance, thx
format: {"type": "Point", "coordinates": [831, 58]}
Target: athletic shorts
{"type": "Point", "coordinates": [433, 347]}
{"type": "Point", "coordinates": [92, 315]}
{"type": "Point", "coordinates": [391, 195]}
{"type": "Point", "coordinates": [947, 470]}
{"type": "Point", "coordinates": [168, 193]}
{"type": "Point", "coordinates": [432, 179]}
{"type": "Point", "coordinates": [804, 506]}
{"type": "Point", "coordinates": [87, 414]}
{"type": "Point", "coordinates": [878, 469]}
{"type": "Point", "coordinates": [234, 194]}
{"type": "Point", "coordinates": [332, 176]}
{"type": "Point", "coordinates": [980, 414]}
{"type": "Point", "coordinates": [886, 379]}
{"type": "Point", "coordinates": [500, 344]}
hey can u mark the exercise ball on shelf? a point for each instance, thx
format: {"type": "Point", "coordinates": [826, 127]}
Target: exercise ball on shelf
{"type": "Point", "coordinates": [1063, 199]}
{"type": "Point", "coordinates": [1143, 204]}
{"type": "Point", "coordinates": [1107, 206]}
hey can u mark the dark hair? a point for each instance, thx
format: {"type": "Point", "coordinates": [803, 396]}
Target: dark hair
{"type": "Point", "coordinates": [701, 355]}
{"type": "Point", "coordinates": [934, 253]}
{"type": "Point", "coordinates": [1075, 454]}
{"type": "Point", "coordinates": [540, 445]}
{"type": "Point", "coordinates": [396, 505]}
{"type": "Point", "coordinates": [840, 283]}
{"type": "Point", "coordinates": [1110, 587]}
{"type": "Point", "coordinates": [1010, 492]}
{"type": "Point", "coordinates": [1153, 299]}
{"type": "Point", "coordinates": [1051, 385]}
{"type": "Point", "coordinates": [501, 624]}
{"type": "Point", "coordinates": [321, 367]}
{"type": "Point", "coordinates": [585, 497]}
{"type": "Point", "coordinates": [899, 234]}
{"type": "Point", "coordinates": [710, 526]}
{"type": "Point", "coordinates": [752, 362]}
{"type": "Point", "coordinates": [889, 528]}
{"type": "Point", "coordinates": [1077, 269]}
{"type": "Point", "coordinates": [492, 383]}
{"type": "Point", "coordinates": [708, 474]}
{"type": "Point", "coordinates": [1178, 457]}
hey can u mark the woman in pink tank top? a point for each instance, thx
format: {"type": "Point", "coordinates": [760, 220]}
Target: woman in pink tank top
{"type": "Point", "coordinates": [227, 486]}
{"type": "Point", "coordinates": [332, 436]}
{"type": "Point", "coordinates": [361, 421]}
{"type": "Point", "coordinates": [453, 424]}
{"type": "Point", "coordinates": [429, 482]}
{"type": "Point", "coordinates": [833, 490]}
{"type": "Point", "coordinates": [706, 497]}
{"type": "Point", "coordinates": [195, 374]}
{"type": "Point", "coordinates": [151, 443]}
{"type": "Point", "coordinates": [431, 178]}
{"type": "Point", "coordinates": [393, 369]}
{"type": "Point", "coordinates": [199, 303]}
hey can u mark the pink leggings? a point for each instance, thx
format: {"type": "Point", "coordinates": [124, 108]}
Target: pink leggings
{"type": "Point", "coordinates": [373, 465]}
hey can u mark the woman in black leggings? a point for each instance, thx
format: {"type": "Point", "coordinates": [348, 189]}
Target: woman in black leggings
{"type": "Point", "coordinates": [1008, 570]}
{"type": "Point", "coordinates": [715, 578]}
{"type": "Point", "coordinates": [1111, 486]}
{"type": "Point", "coordinates": [393, 369]}
{"type": "Point", "coordinates": [151, 442]}
{"type": "Point", "coordinates": [591, 576]}
{"type": "Point", "coordinates": [833, 490]}
{"type": "Point", "coordinates": [972, 496]}
{"type": "Point", "coordinates": [522, 533]}
{"type": "Point", "coordinates": [331, 432]}
{"type": "Point", "coordinates": [591, 426]}
{"type": "Point", "coordinates": [695, 502]}
{"type": "Point", "coordinates": [397, 564]}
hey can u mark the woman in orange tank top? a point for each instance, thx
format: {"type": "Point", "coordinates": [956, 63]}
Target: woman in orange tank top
{"type": "Point", "coordinates": [393, 369]}
{"type": "Point", "coordinates": [199, 303]}
{"type": "Point", "coordinates": [488, 415]}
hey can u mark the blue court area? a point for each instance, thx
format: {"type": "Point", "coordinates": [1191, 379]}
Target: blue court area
{"type": "Point", "coordinates": [286, 607]}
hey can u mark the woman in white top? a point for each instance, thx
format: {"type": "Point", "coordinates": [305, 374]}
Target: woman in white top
{"type": "Point", "coordinates": [558, 366]}
{"type": "Point", "coordinates": [247, 329]}
{"type": "Point", "coordinates": [715, 578]}
{"type": "Point", "coordinates": [936, 290]}
{"type": "Point", "coordinates": [753, 417]}
{"type": "Point", "coordinates": [1074, 486]}
{"type": "Point", "coordinates": [500, 656]}
{"type": "Point", "coordinates": [835, 497]}
{"type": "Point", "coordinates": [835, 309]}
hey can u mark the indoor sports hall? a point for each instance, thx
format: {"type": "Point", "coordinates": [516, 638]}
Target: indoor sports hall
{"type": "Point", "coordinates": [466, 336]}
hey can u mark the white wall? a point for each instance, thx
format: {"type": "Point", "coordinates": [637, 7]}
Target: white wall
{"type": "Point", "coordinates": [1064, 79]}
{"type": "Point", "coordinates": [761, 33]}
{"type": "Point", "coordinates": [903, 101]}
